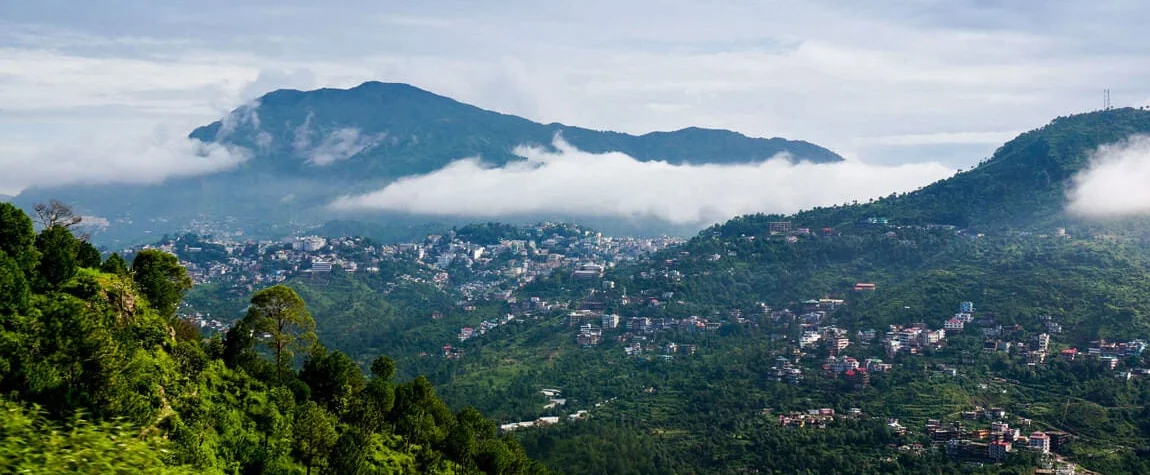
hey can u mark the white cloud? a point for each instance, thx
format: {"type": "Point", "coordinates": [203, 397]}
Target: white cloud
{"type": "Point", "coordinates": [857, 77]}
{"type": "Point", "coordinates": [571, 182]}
{"type": "Point", "coordinates": [1117, 182]}
{"type": "Point", "coordinates": [142, 159]}
{"type": "Point", "coordinates": [342, 144]}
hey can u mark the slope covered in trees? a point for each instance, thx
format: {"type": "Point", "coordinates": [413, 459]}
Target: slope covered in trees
{"type": "Point", "coordinates": [1022, 186]}
{"type": "Point", "coordinates": [99, 376]}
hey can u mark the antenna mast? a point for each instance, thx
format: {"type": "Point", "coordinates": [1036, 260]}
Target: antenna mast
{"type": "Point", "coordinates": [1106, 99]}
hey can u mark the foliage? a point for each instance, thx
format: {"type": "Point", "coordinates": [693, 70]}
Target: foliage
{"type": "Point", "coordinates": [160, 279]}
{"type": "Point", "coordinates": [97, 380]}
{"type": "Point", "coordinates": [30, 443]}
{"type": "Point", "coordinates": [282, 323]}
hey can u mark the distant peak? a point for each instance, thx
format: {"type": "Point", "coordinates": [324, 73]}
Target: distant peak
{"type": "Point", "coordinates": [388, 86]}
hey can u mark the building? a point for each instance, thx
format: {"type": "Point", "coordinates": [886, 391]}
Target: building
{"type": "Point", "coordinates": [1039, 441]}
{"type": "Point", "coordinates": [998, 449]}
{"type": "Point", "coordinates": [864, 286]}
{"type": "Point", "coordinates": [1044, 342]}
{"type": "Point", "coordinates": [308, 244]}
{"type": "Point", "coordinates": [954, 324]}
{"type": "Point", "coordinates": [610, 322]}
{"type": "Point", "coordinates": [779, 227]}
{"type": "Point", "coordinates": [809, 339]}
{"type": "Point", "coordinates": [588, 335]}
{"type": "Point", "coordinates": [588, 271]}
{"type": "Point", "coordinates": [966, 307]}
{"type": "Point", "coordinates": [840, 343]}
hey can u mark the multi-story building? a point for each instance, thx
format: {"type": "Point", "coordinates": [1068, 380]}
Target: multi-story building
{"type": "Point", "coordinates": [998, 449]}
{"type": "Point", "coordinates": [1039, 441]}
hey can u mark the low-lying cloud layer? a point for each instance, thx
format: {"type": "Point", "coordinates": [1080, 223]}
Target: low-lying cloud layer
{"type": "Point", "coordinates": [571, 182]}
{"type": "Point", "coordinates": [1117, 182]}
{"type": "Point", "coordinates": [139, 160]}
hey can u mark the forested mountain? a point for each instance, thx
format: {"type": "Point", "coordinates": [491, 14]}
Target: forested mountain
{"type": "Point", "coordinates": [1021, 187]}
{"type": "Point", "coordinates": [989, 235]}
{"type": "Point", "coordinates": [307, 148]}
{"type": "Point", "coordinates": [389, 129]}
{"type": "Point", "coordinates": [99, 376]}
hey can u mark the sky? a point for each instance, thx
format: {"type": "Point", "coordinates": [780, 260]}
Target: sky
{"type": "Point", "coordinates": [87, 89]}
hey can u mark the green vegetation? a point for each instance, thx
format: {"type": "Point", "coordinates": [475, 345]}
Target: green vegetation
{"type": "Point", "coordinates": [1021, 187]}
{"type": "Point", "coordinates": [98, 376]}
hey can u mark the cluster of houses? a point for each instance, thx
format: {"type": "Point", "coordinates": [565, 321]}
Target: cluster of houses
{"type": "Point", "coordinates": [814, 418]}
{"type": "Point", "coordinates": [990, 443]}
{"type": "Point", "coordinates": [912, 339]}
{"type": "Point", "coordinates": [493, 267]}
{"type": "Point", "coordinates": [636, 330]}
{"type": "Point", "coordinates": [467, 333]}
{"type": "Point", "coordinates": [554, 401]}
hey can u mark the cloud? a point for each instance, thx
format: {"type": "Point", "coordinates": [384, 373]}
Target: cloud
{"type": "Point", "coordinates": [339, 144]}
{"type": "Point", "coordinates": [571, 182]}
{"type": "Point", "coordinates": [342, 144]}
{"type": "Point", "coordinates": [1116, 182]}
{"type": "Point", "coordinates": [147, 159]}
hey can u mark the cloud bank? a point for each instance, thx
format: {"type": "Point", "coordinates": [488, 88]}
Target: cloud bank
{"type": "Point", "coordinates": [148, 159]}
{"type": "Point", "coordinates": [571, 182]}
{"type": "Point", "coordinates": [339, 144]}
{"type": "Point", "coordinates": [1117, 182]}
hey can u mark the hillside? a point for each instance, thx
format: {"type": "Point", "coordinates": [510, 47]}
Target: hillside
{"type": "Point", "coordinates": [1021, 187]}
{"type": "Point", "coordinates": [308, 147]}
{"type": "Point", "coordinates": [98, 375]}
{"type": "Point", "coordinates": [713, 410]}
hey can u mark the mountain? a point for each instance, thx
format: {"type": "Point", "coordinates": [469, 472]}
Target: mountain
{"type": "Point", "coordinates": [309, 147]}
{"type": "Point", "coordinates": [722, 409]}
{"type": "Point", "coordinates": [1022, 186]}
{"type": "Point", "coordinates": [383, 130]}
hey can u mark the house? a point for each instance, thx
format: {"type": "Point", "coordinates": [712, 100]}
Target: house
{"type": "Point", "coordinates": [1039, 441]}
{"type": "Point", "coordinates": [954, 324]}
{"type": "Point", "coordinates": [998, 449]}
{"type": "Point", "coordinates": [966, 307]}
{"type": "Point", "coordinates": [809, 338]}
{"type": "Point", "coordinates": [865, 286]}
{"type": "Point", "coordinates": [779, 227]}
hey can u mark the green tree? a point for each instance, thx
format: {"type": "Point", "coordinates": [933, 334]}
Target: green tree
{"type": "Point", "coordinates": [115, 265]}
{"type": "Point", "coordinates": [314, 434]}
{"type": "Point", "coordinates": [87, 255]}
{"type": "Point", "coordinates": [57, 248]}
{"type": "Point", "coordinates": [383, 368]}
{"type": "Point", "coordinates": [161, 280]}
{"type": "Point", "coordinates": [279, 317]}
{"type": "Point", "coordinates": [14, 291]}
{"type": "Point", "coordinates": [17, 237]}
{"type": "Point", "coordinates": [335, 380]}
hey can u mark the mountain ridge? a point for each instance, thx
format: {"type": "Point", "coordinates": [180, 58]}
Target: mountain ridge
{"type": "Point", "coordinates": [309, 147]}
{"type": "Point", "coordinates": [396, 129]}
{"type": "Point", "coordinates": [1021, 186]}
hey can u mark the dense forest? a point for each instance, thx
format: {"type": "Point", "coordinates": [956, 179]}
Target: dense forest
{"type": "Point", "coordinates": [98, 375]}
